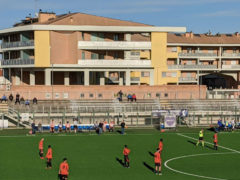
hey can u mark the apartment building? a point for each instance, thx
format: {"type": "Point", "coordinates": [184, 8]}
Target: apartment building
{"type": "Point", "coordinates": [82, 49]}
{"type": "Point", "coordinates": [211, 60]}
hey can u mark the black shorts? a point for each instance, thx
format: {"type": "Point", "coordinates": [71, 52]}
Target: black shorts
{"type": "Point", "coordinates": [157, 164]}
{"type": "Point", "coordinates": [126, 159]}
{"type": "Point", "coordinates": [75, 127]}
{"type": "Point", "coordinates": [201, 138]}
{"type": "Point", "coordinates": [62, 177]}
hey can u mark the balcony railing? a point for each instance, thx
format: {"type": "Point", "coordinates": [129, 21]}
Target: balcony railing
{"type": "Point", "coordinates": [236, 66]}
{"type": "Point", "coordinates": [6, 45]}
{"type": "Point", "coordinates": [231, 54]}
{"type": "Point", "coordinates": [13, 62]}
{"type": "Point", "coordinates": [197, 54]}
{"type": "Point", "coordinates": [192, 67]}
{"type": "Point", "coordinates": [114, 45]}
{"type": "Point", "coordinates": [115, 63]}
{"type": "Point", "coordinates": [187, 79]}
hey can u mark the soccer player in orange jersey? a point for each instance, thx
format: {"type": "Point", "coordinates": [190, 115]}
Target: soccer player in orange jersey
{"type": "Point", "coordinates": [126, 152]}
{"type": "Point", "coordinates": [215, 141]}
{"type": "Point", "coordinates": [64, 170]}
{"type": "Point", "coordinates": [158, 162]}
{"type": "Point", "coordinates": [40, 146]}
{"type": "Point", "coordinates": [49, 157]}
{"type": "Point", "coordinates": [160, 145]}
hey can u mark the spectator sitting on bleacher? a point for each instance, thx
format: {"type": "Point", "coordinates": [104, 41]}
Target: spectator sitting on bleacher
{"type": "Point", "coordinates": [60, 127]}
{"type": "Point", "coordinates": [22, 101]}
{"type": "Point", "coordinates": [4, 98]}
{"type": "Point", "coordinates": [220, 125]}
{"type": "Point", "coordinates": [27, 103]}
{"type": "Point", "coordinates": [95, 126]}
{"type": "Point", "coordinates": [17, 99]}
{"type": "Point", "coordinates": [134, 97]}
{"type": "Point", "coordinates": [129, 97]}
{"type": "Point", "coordinates": [10, 97]}
{"type": "Point", "coordinates": [100, 126]}
{"type": "Point", "coordinates": [120, 95]}
{"type": "Point", "coordinates": [111, 126]}
{"type": "Point", "coordinates": [68, 127]}
{"type": "Point", "coordinates": [35, 100]}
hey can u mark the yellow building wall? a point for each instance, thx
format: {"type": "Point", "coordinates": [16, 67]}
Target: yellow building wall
{"type": "Point", "coordinates": [42, 48]}
{"type": "Point", "coordinates": [159, 59]}
{"type": "Point", "coordinates": [145, 54]}
{"type": "Point", "coordinates": [174, 54]}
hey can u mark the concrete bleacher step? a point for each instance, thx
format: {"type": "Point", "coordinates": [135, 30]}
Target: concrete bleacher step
{"type": "Point", "coordinates": [3, 107]}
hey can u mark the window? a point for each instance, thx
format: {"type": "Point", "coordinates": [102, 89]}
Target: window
{"type": "Point", "coordinates": [115, 55]}
{"type": "Point", "coordinates": [157, 94]}
{"type": "Point", "coordinates": [116, 37]}
{"type": "Point", "coordinates": [164, 74]}
{"type": "Point", "coordinates": [233, 62]}
{"type": "Point", "coordinates": [82, 95]}
{"type": "Point", "coordinates": [145, 74]}
{"type": "Point", "coordinates": [165, 94]}
{"type": "Point", "coordinates": [189, 63]}
{"type": "Point", "coordinates": [234, 50]}
{"type": "Point", "coordinates": [94, 56]}
{"type": "Point", "coordinates": [82, 35]}
{"type": "Point", "coordinates": [101, 56]}
{"type": "Point", "coordinates": [83, 55]}
{"type": "Point", "coordinates": [210, 51]}
{"type": "Point", "coordinates": [189, 50]}
{"type": "Point", "coordinates": [174, 74]}
{"type": "Point", "coordinates": [91, 95]}
{"type": "Point", "coordinates": [189, 74]}
{"type": "Point", "coordinates": [100, 95]}
{"type": "Point", "coordinates": [135, 53]}
{"type": "Point", "coordinates": [93, 36]}
{"type": "Point", "coordinates": [174, 49]}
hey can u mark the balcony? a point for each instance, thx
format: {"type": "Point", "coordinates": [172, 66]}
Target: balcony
{"type": "Point", "coordinates": [200, 67]}
{"type": "Point", "coordinates": [115, 63]}
{"type": "Point", "coordinates": [231, 55]}
{"type": "Point", "coordinates": [17, 62]}
{"type": "Point", "coordinates": [197, 54]}
{"type": "Point", "coordinates": [114, 45]}
{"type": "Point", "coordinates": [187, 79]}
{"type": "Point", "coordinates": [231, 67]}
{"type": "Point", "coordinates": [18, 44]}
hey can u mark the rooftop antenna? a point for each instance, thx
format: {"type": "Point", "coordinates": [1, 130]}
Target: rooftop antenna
{"type": "Point", "coordinates": [36, 7]}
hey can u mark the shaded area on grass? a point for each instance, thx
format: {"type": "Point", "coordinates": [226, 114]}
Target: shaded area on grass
{"type": "Point", "coordinates": [150, 153]}
{"type": "Point", "coordinates": [148, 166]}
{"type": "Point", "coordinates": [120, 161]}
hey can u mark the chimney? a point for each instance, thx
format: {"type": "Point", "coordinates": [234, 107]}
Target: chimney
{"type": "Point", "coordinates": [189, 35]}
{"type": "Point", "coordinates": [237, 34]}
{"type": "Point", "coordinates": [45, 16]}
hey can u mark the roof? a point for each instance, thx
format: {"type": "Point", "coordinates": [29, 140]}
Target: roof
{"type": "Point", "coordinates": [203, 38]}
{"type": "Point", "coordinates": [87, 19]}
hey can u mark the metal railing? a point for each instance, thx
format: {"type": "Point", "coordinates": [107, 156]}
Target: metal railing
{"type": "Point", "coordinates": [187, 79]}
{"type": "Point", "coordinates": [17, 62]}
{"type": "Point", "coordinates": [231, 54]}
{"type": "Point", "coordinates": [181, 54]}
{"type": "Point", "coordinates": [6, 45]}
{"type": "Point", "coordinates": [195, 66]}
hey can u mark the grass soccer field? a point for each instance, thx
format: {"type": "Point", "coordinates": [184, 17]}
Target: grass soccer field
{"type": "Point", "coordinates": [92, 156]}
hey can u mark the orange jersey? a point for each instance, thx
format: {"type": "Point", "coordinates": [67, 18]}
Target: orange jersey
{"type": "Point", "coordinates": [49, 153]}
{"type": "Point", "coordinates": [157, 157]}
{"type": "Point", "coordinates": [40, 146]}
{"type": "Point", "coordinates": [126, 151]}
{"type": "Point", "coordinates": [160, 145]}
{"type": "Point", "coordinates": [215, 138]}
{"type": "Point", "coordinates": [64, 168]}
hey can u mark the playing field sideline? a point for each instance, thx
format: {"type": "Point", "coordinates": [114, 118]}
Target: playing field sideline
{"type": "Point", "coordinates": [91, 156]}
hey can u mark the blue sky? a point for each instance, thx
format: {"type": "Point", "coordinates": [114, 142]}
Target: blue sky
{"type": "Point", "coordinates": [198, 16]}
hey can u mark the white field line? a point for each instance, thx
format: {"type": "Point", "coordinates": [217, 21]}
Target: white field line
{"type": "Point", "coordinates": [223, 147]}
{"type": "Point", "coordinates": [194, 155]}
